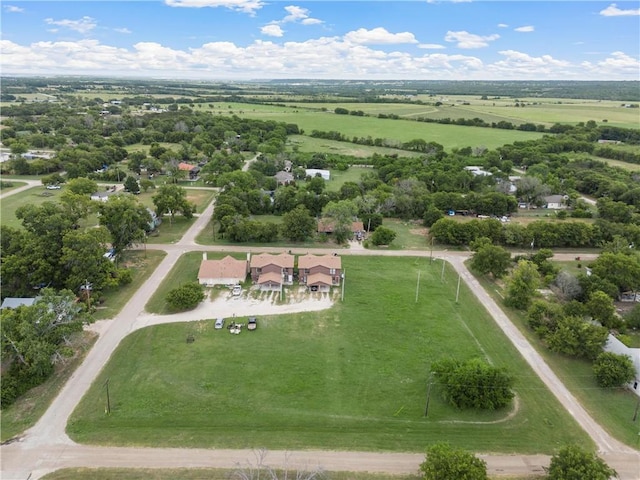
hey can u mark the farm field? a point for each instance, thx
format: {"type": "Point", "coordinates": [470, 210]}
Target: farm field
{"type": "Point", "coordinates": [304, 143]}
{"type": "Point", "coordinates": [450, 136]}
{"type": "Point", "coordinates": [372, 352]}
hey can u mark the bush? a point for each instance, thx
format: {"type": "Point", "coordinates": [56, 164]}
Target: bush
{"type": "Point", "coordinates": [573, 463]}
{"type": "Point", "coordinates": [445, 462]}
{"type": "Point", "coordinates": [383, 236]}
{"type": "Point", "coordinates": [125, 276]}
{"type": "Point", "coordinates": [474, 384]}
{"type": "Point", "coordinates": [185, 297]}
{"type": "Point", "coordinates": [612, 370]}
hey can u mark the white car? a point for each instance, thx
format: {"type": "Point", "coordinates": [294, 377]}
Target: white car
{"type": "Point", "coordinates": [236, 290]}
{"type": "Point", "coordinates": [53, 187]}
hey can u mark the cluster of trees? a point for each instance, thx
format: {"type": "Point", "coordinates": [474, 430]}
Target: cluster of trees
{"type": "Point", "coordinates": [473, 384]}
{"type": "Point", "coordinates": [35, 338]}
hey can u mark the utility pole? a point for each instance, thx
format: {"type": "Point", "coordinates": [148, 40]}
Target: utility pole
{"type": "Point", "coordinates": [343, 282]}
{"type": "Point", "coordinates": [418, 286]}
{"type": "Point", "coordinates": [108, 411]}
{"type": "Point", "coordinates": [458, 289]}
{"type": "Point", "coordinates": [442, 274]}
{"type": "Point", "coordinates": [431, 251]}
{"type": "Point", "coordinates": [426, 408]}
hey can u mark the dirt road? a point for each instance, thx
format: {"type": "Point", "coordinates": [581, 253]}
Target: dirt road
{"type": "Point", "coordinates": [46, 447]}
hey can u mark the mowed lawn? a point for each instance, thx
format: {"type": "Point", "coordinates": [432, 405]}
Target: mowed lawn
{"type": "Point", "coordinates": [31, 196]}
{"type": "Point", "coordinates": [352, 377]}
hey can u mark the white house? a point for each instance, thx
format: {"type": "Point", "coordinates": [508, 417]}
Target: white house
{"type": "Point", "coordinates": [102, 196]}
{"type": "Point", "coordinates": [614, 345]}
{"type": "Point", "coordinates": [554, 202]}
{"type": "Point", "coordinates": [314, 172]}
{"type": "Point", "coordinates": [478, 171]}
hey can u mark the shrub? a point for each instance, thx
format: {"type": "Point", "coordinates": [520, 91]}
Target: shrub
{"type": "Point", "coordinates": [185, 297]}
{"type": "Point", "coordinates": [612, 370]}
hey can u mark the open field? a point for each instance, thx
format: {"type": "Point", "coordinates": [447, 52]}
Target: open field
{"type": "Point", "coordinates": [632, 167]}
{"type": "Point", "coordinates": [31, 196]}
{"type": "Point", "coordinates": [310, 144]}
{"type": "Point", "coordinates": [613, 409]}
{"type": "Point", "coordinates": [450, 136]}
{"type": "Point", "coordinates": [372, 353]}
{"type": "Point", "coordinates": [28, 409]}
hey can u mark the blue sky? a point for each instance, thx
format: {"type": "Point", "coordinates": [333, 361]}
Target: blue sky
{"type": "Point", "coordinates": [258, 39]}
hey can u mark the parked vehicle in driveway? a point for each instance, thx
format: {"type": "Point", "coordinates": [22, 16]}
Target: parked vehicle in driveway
{"type": "Point", "coordinates": [219, 323]}
{"type": "Point", "coordinates": [252, 323]}
{"type": "Point", "coordinates": [236, 290]}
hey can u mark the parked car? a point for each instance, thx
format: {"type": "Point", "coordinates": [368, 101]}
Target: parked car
{"type": "Point", "coordinates": [252, 323]}
{"type": "Point", "coordinates": [53, 187]}
{"type": "Point", "coordinates": [236, 290]}
{"type": "Point", "coordinates": [219, 323]}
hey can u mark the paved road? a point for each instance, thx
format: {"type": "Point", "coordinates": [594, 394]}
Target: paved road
{"type": "Point", "coordinates": [29, 184]}
{"type": "Point", "coordinates": [46, 447]}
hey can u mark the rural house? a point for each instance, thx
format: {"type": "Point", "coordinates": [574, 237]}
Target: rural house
{"type": "Point", "coordinates": [228, 271]}
{"type": "Point", "coordinates": [315, 172]}
{"type": "Point", "coordinates": [320, 272]}
{"type": "Point", "coordinates": [192, 170]}
{"type": "Point", "coordinates": [270, 272]}
{"type": "Point", "coordinates": [554, 202]}
{"type": "Point", "coordinates": [327, 225]}
{"type": "Point", "coordinates": [15, 302]}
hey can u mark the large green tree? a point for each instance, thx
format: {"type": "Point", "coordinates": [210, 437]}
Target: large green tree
{"type": "Point", "coordinates": [491, 259]}
{"type": "Point", "coordinates": [341, 215]}
{"type": "Point", "coordinates": [298, 224]}
{"type": "Point", "coordinates": [522, 285]}
{"type": "Point", "coordinates": [573, 463]}
{"type": "Point", "coordinates": [126, 219]}
{"type": "Point", "coordinates": [445, 462]}
{"type": "Point", "coordinates": [171, 199]}
{"type": "Point", "coordinates": [473, 383]}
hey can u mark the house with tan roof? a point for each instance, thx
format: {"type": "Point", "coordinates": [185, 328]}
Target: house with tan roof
{"type": "Point", "coordinates": [270, 271]}
{"type": "Point", "coordinates": [327, 225]}
{"type": "Point", "coordinates": [228, 271]}
{"type": "Point", "coordinates": [320, 272]}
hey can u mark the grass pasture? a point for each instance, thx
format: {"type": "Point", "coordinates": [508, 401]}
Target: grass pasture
{"type": "Point", "coordinates": [450, 136]}
{"type": "Point", "coordinates": [310, 144]}
{"type": "Point", "coordinates": [352, 377]}
{"type": "Point", "coordinates": [31, 196]}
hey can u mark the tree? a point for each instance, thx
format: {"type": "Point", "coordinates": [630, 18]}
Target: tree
{"type": "Point", "coordinates": [82, 186]}
{"type": "Point", "coordinates": [445, 462]}
{"type": "Point", "coordinates": [126, 219]}
{"type": "Point", "coordinates": [568, 286]}
{"type": "Point", "coordinates": [171, 199]}
{"type": "Point", "coordinates": [600, 307]}
{"type": "Point", "coordinates": [298, 224]}
{"type": "Point", "coordinates": [383, 236]}
{"type": "Point", "coordinates": [185, 297]}
{"type": "Point", "coordinates": [341, 214]}
{"type": "Point", "coordinates": [573, 463]}
{"type": "Point", "coordinates": [522, 285]}
{"type": "Point", "coordinates": [612, 370]}
{"type": "Point", "coordinates": [491, 259]}
{"type": "Point", "coordinates": [577, 338]}
{"type": "Point", "coordinates": [474, 384]}
{"type": "Point", "coordinates": [620, 269]}
{"type": "Point", "coordinates": [147, 184]}
{"type": "Point", "coordinates": [34, 338]}
{"type": "Point", "coordinates": [131, 185]}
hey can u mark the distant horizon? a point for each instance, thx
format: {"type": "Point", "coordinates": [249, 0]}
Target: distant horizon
{"type": "Point", "coordinates": [384, 40]}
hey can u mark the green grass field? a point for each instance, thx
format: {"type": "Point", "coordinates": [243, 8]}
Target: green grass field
{"type": "Point", "coordinates": [613, 409]}
{"type": "Point", "coordinates": [31, 196]}
{"type": "Point", "coordinates": [310, 144]}
{"type": "Point", "coordinates": [450, 136]}
{"type": "Point", "coordinates": [352, 377]}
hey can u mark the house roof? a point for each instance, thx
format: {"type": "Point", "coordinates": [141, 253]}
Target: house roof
{"type": "Point", "coordinates": [328, 261]}
{"type": "Point", "coordinates": [554, 199]}
{"type": "Point", "coordinates": [185, 166]}
{"type": "Point", "coordinates": [228, 267]}
{"type": "Point", "coordinates": [284, 177]}
{"type": "Point", "coordinates": [261, 260]}
{"type": "Point", "coordinates": [319, 278]}
{"type": "Point", "coordinates": [327, 225]}
{"type": "Point", "coordinates": [14, 302]}
{"type": "Point", "coordinates": [270, 277]}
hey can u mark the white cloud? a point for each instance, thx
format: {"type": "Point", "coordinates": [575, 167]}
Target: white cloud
{"type": "Point", "coordinates": [245, 6]}
{"type": "Point", "coordinates": [82, 25]}
{"type": "Point", "coordinates": [503, 25]}
{"type": "Point", "coordinates": [311, 21]}
{"type": "Point", "coordinates": [272, 30]}
{"type": "Point", "coordinates": [470, 40]}
{"type": "Point", "coordinates": [122, 30]}
{"type": "Point", "coordinates": [431, 46]}
{"type": "Point", "coordinates": [378, 36]}
{"type": "Point", "coordinates": [613, 11]}
{"type": "Point", "coordinates": [324, 57]}
{"type": "Point", "coordinates": [526, 28]}
{"type": "Point", "coordinates": [13, 9]}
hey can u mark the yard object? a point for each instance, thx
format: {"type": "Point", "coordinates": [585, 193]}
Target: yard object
{"type": "Point", "coordinates": [252, 323]}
